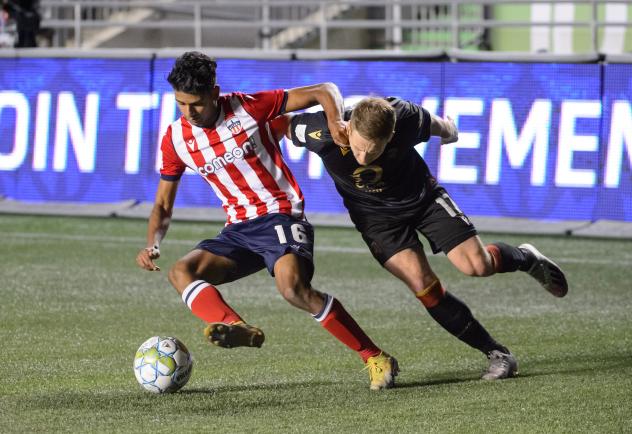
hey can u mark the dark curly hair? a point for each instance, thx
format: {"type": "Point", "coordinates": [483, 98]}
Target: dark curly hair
{"type": "Point", "coordinates": [193, 73]}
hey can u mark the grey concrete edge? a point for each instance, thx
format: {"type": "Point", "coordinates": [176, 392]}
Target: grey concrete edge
{"type": "Point", "coordinates": [110, 209]}
{"type": "Point", "coordinates": [225, 53]}
{"type": "Point", "coordinates": [387, 55]}
{"type": "Point", "coordinates": [518, 56]}
{"type": "Point", "coordinates": [456, 55]}
{"type": "Point", "coordinates": [618, 58]}
{"type": "Point", "coordinates": [141, 210]}
{"type": "Point", "coordinates": [98, 53]}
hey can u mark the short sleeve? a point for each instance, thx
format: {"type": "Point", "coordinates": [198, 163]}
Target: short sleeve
{"type": "Point", "coordinates": [423, 130]}
{"type": "Point", "coordinates": [411, 116]}
{"type": "Point", "coordinates": [172, 167]}
{"type": "Point", "coordinates": [265, 105]}
{"type": "Point", "coordinates": [310, 130]}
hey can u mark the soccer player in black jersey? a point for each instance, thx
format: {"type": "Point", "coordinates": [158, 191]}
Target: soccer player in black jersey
{"type": "Point", "coordinates": [391, 194]}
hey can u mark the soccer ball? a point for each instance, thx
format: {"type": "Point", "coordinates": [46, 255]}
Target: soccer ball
{"type": "Point", "coordinates": [162, 364]}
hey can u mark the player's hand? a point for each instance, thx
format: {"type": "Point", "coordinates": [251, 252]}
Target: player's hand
{"type": "Point", "coordinates": [145, 258]}
{"type": "Point", "coordinates": [339, 132]}
{"type": "Point", "coordinates": [451, 133]}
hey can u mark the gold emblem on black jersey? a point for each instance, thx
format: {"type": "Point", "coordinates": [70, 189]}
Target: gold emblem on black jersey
{"type": "Point", "coordinates": [344, 150]}
{"type": "Point", "coordinates": [316, 135]}
{"type": "Point", "coordinates": [369, 179]}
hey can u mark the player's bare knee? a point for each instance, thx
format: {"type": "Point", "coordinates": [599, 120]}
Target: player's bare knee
{"type": "Point", "coordinates": [179, 275]}
{"type": "Point", "coordinates": [173, 278]}
{"type": "Point", "coordinates": [478, 268]}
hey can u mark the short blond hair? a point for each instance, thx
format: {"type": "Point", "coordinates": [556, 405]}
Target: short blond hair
{"type": "Point", "coordinates": [373, 118]}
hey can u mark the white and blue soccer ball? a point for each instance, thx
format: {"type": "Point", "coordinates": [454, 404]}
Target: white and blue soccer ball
{"type": "Point", "coordinates": [162, 364]}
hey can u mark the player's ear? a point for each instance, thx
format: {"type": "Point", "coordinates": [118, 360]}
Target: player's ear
{"type": "Point", "coordinates": [215, 92]}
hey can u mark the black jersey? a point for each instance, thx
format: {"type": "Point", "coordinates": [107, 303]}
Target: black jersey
{"type": "Point", "coordinates": [398, 180]}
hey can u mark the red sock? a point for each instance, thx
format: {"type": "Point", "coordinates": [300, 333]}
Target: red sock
{"type": "Point", "coordinates": [339, 323]}
{"type": "Point", "coordinates": [207, 303]}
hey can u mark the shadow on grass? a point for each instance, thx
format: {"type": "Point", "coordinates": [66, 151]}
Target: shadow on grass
{"type": "Point", "coordinates": [551, 365]}
{"type": "Point", "coordinates": [221, 399]}
{"type": "Point", "coordinates": [257, 387]}
{"type": "Point", "coordinates": [450, 379]}
{"type": "Point", "coordinates": [241, 398]}
{"type": "Point", "coordinates": [579, 364]}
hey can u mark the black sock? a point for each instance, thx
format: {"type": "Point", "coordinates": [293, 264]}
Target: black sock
{"type": "Point", "coordinates": [454, 316]}
{"type": "Point", "coordinates": [514, 258]}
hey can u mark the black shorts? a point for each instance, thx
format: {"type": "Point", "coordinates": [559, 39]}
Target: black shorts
{"type": "Point", "coordinates": [441, 221]}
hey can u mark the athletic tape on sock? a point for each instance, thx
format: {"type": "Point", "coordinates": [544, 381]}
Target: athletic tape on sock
{"type": "Point", "coordinates": [431, 295]}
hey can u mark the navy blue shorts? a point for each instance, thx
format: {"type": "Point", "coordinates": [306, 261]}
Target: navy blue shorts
{"type": "Point", "coordinates": [258, 243]}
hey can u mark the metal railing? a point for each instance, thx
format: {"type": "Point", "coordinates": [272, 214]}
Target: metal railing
{"type": "Point", "coordinates": [402, 23]}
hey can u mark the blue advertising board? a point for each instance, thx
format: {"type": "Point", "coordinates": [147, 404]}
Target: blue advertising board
{"type": "Point", "coordinates": [545, 141]}
{"type": "Point", "coordinates": [615, 195]}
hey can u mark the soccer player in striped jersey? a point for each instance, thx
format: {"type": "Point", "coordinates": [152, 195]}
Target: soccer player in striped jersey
{"type": "Point", "coordinates": [228, 141]}
{"type": "Point", "coordinates": [391, 194]}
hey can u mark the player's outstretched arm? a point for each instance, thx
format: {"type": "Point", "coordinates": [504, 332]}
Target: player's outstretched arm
{"type": "Point", "coordinates": [158, 224]}
{"type": "Point", "coordinates": [329, 97]}
{"type": "Point", "coordinates": [444, 128]}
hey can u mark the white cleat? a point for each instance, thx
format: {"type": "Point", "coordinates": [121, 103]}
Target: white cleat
{"type": "Point", "coordinates": [547, 272]}
{"type": "Point", "coordinates": [501, 365]}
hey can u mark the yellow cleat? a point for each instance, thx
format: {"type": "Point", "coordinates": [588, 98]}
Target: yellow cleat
{"type": "Point", "coordinates": [237, 334]}
{"type": "Point", "coordinates": [382, 371]}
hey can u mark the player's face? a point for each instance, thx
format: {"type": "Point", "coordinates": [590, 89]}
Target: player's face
{"type": "Point", "coordinates": [198, 110]}
{"type": "Point", "coordinates": [365, 151]}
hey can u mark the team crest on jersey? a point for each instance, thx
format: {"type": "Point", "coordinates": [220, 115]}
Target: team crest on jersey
{"type": "Point", "coordinates": [234, 126]}
{"type": "Point", "coordinates": [369, 179]}
{"type": "Point", "coordinates": [316, 135]}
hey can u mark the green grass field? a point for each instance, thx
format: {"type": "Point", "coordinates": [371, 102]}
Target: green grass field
{"type": "Point", "coordinates": [74, 308]}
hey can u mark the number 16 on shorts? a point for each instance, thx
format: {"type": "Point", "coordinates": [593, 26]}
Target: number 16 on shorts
{"type": "Point", "coordinates": [296, 232]}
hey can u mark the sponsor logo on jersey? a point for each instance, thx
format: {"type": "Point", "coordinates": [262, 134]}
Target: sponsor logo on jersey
{"type": "Point", "coordinates": [369, 179]}
{"type": "Point", "coordinates": [229, 157]}
{"type": "Point", "coordinates": [234, 125]}
{"type": "Point", "coordinates": [316, 135]}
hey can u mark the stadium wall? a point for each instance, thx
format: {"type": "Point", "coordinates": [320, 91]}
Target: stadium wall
{"type": "Point", "coordinates": [538, 141]}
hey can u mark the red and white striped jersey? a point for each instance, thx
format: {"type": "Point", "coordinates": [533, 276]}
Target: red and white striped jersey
{"type": "Point", "coordinates": [239, 157]}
